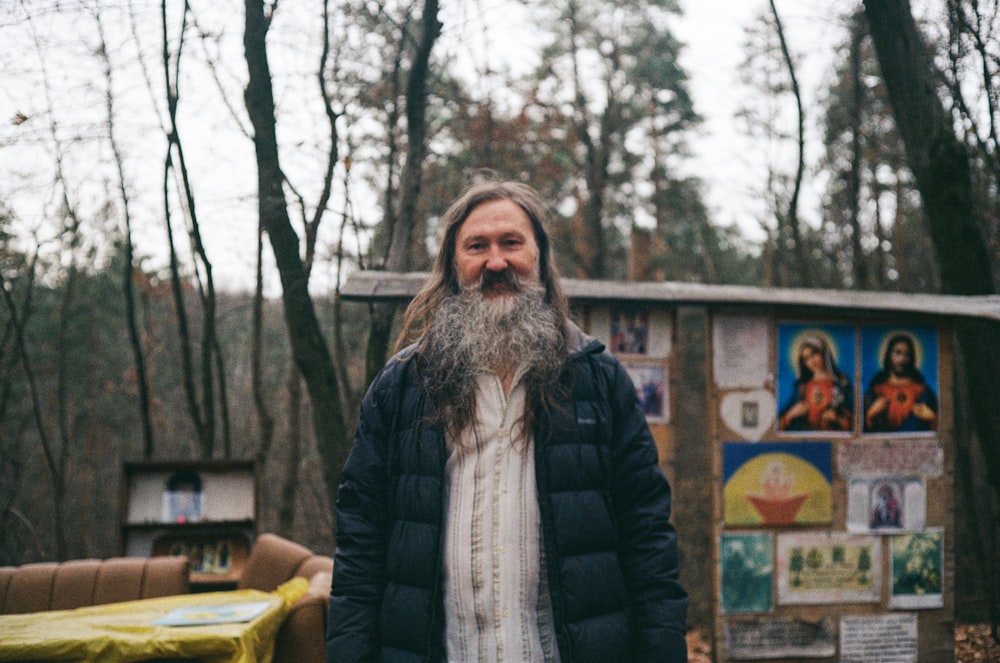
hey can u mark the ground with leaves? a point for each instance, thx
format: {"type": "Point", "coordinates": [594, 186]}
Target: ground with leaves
{"type": "Point", "coordinates": [974, 643]}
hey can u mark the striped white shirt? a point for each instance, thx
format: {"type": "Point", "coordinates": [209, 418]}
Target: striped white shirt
{"type": "Point", "coordinates": [496, 596]}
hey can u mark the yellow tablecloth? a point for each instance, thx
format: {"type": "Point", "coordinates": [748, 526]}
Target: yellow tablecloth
{"type": "Point", "coordinates": [125, 631]}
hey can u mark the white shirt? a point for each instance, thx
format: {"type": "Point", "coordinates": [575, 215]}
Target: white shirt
{"type": "Point", "coordinates": [496, 597]}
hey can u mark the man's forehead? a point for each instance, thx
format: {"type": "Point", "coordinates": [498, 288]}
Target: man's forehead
{"type": "Point", "coordinates": [501, 210]}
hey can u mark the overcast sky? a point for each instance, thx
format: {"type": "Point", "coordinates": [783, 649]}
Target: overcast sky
{"type": "Point", "coordinates": [713, 31]}
{"type": "Point", "coordinates": [732, 167]}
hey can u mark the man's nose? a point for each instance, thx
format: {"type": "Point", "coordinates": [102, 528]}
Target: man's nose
{"type": "Point", "coordinates": [495, 261]}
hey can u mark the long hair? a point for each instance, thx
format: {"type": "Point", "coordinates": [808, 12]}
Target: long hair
{"type": "Point", "coordinates": [910, 370]}
{"type": "Point", "coordinates": [443, 281]}
{"type": "Point", "coordinates": [457, 402]}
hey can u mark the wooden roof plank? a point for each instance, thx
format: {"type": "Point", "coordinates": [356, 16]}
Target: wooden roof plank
{"type": "Point", "coordinates": [395, 286]}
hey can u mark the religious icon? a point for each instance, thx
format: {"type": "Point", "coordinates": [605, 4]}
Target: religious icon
{"type": "Point", "coordinates": [900, 374]}
{"type": "Point", "coordinates": [815, 377]}
{"type": "Point", "coordinates": [777, 483]}
{"type": "Point", "coordinates": [629, 331]}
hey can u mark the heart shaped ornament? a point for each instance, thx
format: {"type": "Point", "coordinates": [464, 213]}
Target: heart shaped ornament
{"type": "Point", "coordinates": [748, 413]}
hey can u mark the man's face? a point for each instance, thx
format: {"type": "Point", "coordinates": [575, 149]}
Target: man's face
{"type": "Point", "coordinates": [900, 357]}
{"type": "Point", "coordinates": [495, 243]}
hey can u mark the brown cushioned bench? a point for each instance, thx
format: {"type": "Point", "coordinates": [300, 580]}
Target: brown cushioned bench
{"type": "Point", "coordinates": [84, 582]}
{"type": "Point", "coordinates": [273, 561]}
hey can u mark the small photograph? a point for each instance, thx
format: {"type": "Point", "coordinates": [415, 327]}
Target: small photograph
{"type": "Point", "coordinates": [886, 504]}
{"type": "Point", "coordinates": [629, 331]}
{"type": "Point", "coordinates": [183, 500]}
{"type": "Point", "coordinates": [747, 572]}
{"type": "Point", "coordinates": [899, 371]}
{"type": "Point", "coordinates": [748, 414]}
{"type": "Point", "coordinates": [815, 375]}
{"type": "Point", "coordinates": [917, 566]}
{"type": "Point", "coordinates": [650, 380]}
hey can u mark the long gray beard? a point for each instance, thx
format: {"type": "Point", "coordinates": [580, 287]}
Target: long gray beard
{"type": "Point", "coordinates": [470, 333]}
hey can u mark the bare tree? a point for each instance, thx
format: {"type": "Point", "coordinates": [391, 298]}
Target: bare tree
{"type": "Point", "coordinates": [312, 356]}
{"type": "Point", "coordinates": [858, 263]}
{"type": "Point", "coordinates": [53, 457]}
{"type": "Point", "coordinates": [210, 365]}
{"type": "Point", "coordinates": [974, 29]}
{"type": "Point", "coordinates": [401, 221]}
{"type": "Point", "coordinates": [129, 268]}
{"type": "Point", "coordinates": [789, 217]}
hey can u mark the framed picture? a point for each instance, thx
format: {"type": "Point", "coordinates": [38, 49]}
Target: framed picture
{"type": "Point", "coordinates": [747, 572]}
{"type": "Point", "coordinates": [829, 567]}
{"type": "Point", "coordinates": [183, 499]}
{"type": "Point", "coordinates": [630, 330]}
{"type": "Point", "coordinates": [918, 569]}
{"type": "Point", "coordinates": [886, 504]}
{"type": "Point", "coordinates": [748, 413]}
{"type": "Point", "coordinates": [815, 377]}
{"type": "Point", "coordinates": [777, 483]}
{"type": "Point", "coordinates": [651, 387]}
{"type": "Point", "coordinates": [899, 370]}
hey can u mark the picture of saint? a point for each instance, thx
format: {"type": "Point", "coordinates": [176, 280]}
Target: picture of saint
{"type": "Point", "coordinates": [629, 332]}
{"type": "Point", "coordinates": [899, 398]}
{"type": "Point", "coordinates": [886, 508]}
{"type": "Point", "coordinates": [821, 398]}
{"type": "Point", "coordinates": [886, 504]}
{"type": "Point", "coordinates": [649, 380]}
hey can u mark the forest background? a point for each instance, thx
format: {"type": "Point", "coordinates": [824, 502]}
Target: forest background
{"type": "Point", "coordinates": [164, 142]}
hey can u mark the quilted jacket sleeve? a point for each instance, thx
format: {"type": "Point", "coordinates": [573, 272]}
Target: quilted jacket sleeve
{"type": "Point", "coordinates": [359, 570]}
{"type": "Point", "coordinates": [648, 553]}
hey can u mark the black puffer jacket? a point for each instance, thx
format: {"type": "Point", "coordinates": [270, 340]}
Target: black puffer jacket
{"type": "Point", "coordinates": [611, 552]}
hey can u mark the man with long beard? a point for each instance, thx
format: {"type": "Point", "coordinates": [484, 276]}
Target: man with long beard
{"type": "Point", "coordinates": [502, 501]}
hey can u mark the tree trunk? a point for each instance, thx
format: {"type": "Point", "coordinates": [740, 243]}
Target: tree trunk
{"type": "Point", "coordinates": [401, 237]}
{"type": "Point", "coordinates": [52, 462]}
{"type": "Point", "coordinates": [859, 265]}
{"type": "Point", "coordinates": [936, 156]}
{"type": "Point", "coordinates": [129, 270]}
{"type": "Point", "coordinates": [309, 347]}
{"type": "Point", "coordinates": [791, 216]}
{"type": "Point", "coordinates": [200, 419]}
{"type": "Point", "coordinates": [941, 167]}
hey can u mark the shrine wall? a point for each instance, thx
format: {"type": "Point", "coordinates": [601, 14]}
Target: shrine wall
{"type": "Point", "coordinates": [830, 449]}
{"type": "Point", "coordinates": [816, 516]}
